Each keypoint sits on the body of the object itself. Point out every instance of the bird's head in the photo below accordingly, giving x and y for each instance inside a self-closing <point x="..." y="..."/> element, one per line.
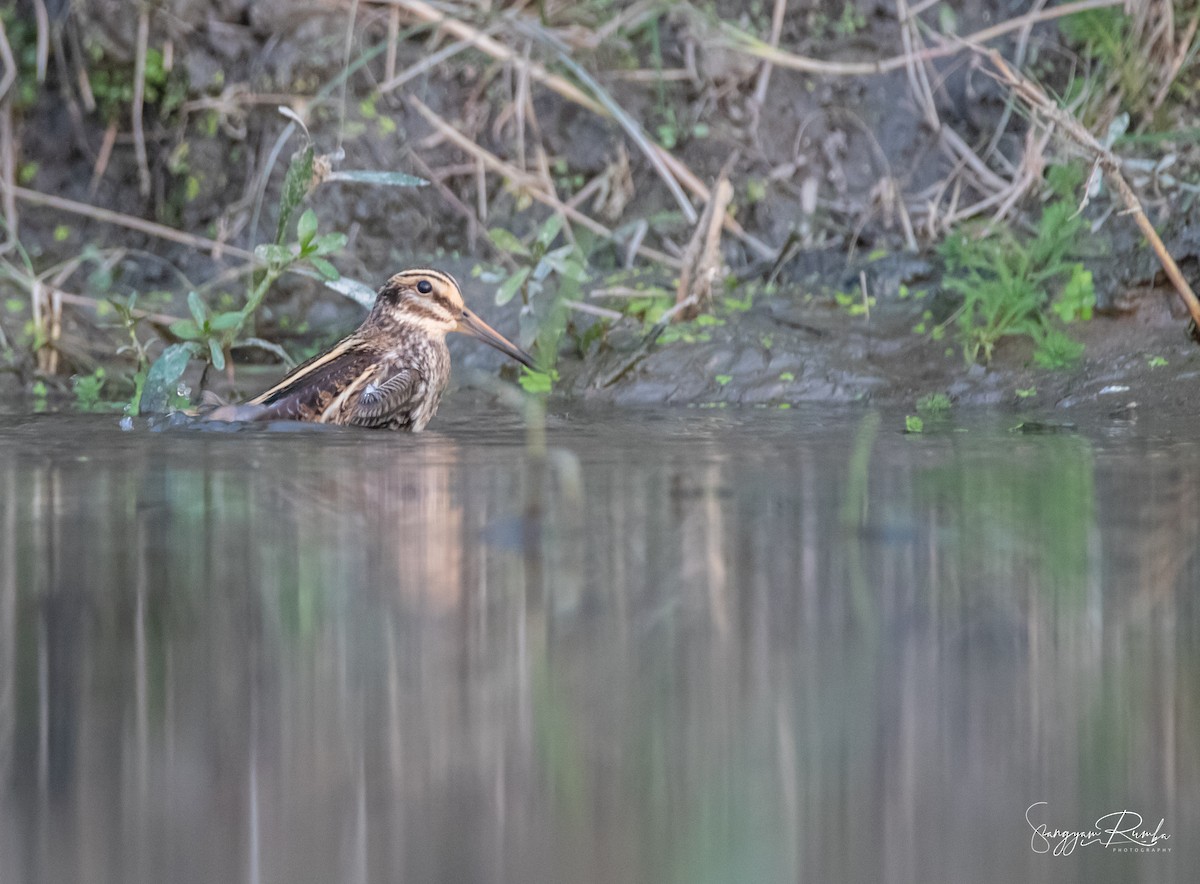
<point x="432" y="301"/>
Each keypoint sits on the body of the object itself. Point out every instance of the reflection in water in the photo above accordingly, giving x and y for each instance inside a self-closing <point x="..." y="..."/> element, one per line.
<point x="713" y="655"/>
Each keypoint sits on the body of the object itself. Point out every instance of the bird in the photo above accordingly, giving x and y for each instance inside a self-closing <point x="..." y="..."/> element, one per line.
<point x="389" y="373"/>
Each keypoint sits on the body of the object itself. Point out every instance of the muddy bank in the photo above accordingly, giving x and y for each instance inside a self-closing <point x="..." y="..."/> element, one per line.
<point x="823" y="168"/>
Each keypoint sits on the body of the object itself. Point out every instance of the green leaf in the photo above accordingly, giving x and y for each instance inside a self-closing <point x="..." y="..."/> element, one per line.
<point x="323" y="267"/>
<point x="913" y="424"/>
<point x="511" y="285"/>
<point x="537" y="382"/>
<point x="330" y="242"/>
<point x="273" y="254"/>
<point x="295" y="187"/>
<point x="196" y="306"/>
<point x="386" y="179"/>
<point x="306" y="229"/>
<point x="163" y="378"/>
<point x="505" y="241"/>
<point x="549" y="230"/>
<point x="226" y="321"/>
<point x="1078" y="297"/>
<point x="217" y="353"/>
<point x="358" y="292"/>
<point x="187" y="330"/>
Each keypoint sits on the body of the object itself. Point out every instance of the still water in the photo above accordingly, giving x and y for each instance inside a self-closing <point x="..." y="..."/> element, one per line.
<point x="680" y="646"/>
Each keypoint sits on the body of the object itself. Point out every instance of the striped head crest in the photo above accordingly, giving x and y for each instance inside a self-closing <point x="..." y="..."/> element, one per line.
<point x="423" y="297"/>
<point x="432" y="301"/>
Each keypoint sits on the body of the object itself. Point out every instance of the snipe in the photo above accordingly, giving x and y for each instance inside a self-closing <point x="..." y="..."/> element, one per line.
<point x="391" y="372"/>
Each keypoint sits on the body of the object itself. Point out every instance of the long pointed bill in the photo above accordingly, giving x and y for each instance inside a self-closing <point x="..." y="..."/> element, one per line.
<point x="472" y="325"/>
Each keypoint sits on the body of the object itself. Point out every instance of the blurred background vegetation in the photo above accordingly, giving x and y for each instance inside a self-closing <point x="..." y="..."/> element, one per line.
<point x="190" y="185"/>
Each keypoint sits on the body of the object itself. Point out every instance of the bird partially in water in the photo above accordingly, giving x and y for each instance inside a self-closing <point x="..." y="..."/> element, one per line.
<point x="391" y="372"/>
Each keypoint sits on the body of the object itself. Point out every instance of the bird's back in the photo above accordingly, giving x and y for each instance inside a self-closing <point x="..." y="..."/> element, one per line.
<point x="358" y="382"/>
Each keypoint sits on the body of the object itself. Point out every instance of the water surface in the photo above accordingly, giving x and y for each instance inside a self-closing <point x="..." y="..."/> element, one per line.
<point x="680" y="646"/>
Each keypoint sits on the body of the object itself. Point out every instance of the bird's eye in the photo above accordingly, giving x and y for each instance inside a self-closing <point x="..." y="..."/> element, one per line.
<point x="424" y="286"/>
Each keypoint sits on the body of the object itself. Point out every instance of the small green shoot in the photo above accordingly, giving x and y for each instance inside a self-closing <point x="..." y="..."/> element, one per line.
<point x="538" y="383"/>
<point x="854" y="303"/>
<point x="913" y="424"/>
<point x="934" y="404"/>
<point x="87" y="388"/>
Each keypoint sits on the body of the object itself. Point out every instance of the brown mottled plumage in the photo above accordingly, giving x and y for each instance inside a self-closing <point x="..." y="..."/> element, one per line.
<point x="391" y="372"/>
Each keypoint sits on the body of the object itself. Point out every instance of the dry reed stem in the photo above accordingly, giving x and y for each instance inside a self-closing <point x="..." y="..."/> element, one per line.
<point x="103" y="156"/>
<point x="8" y="161"/>
<point x="1040" y="103"/>
<point x="669" y="167"/>
<point x="918" y="76"/>
<point x="702" y="258"/>
<point x="764" y="73"/>
<point x="654" y="152"/>
<point x="8" y="167"/>
<point x="658" y="156"/>
<point x="393" y="42"/>
<point x="347" y="47"/>
<point x="473" y="222"/>
<point x="139" y="96"/>
<point x="740" y="41"/>
<point x="477" y="38"/>
<point x="602" y="312"/>
<point x="530" y="183"/>
<point x="9" y="62"/>
<point x="120" y="219"/>
<point x="429" y="61"/>
<point x="42" y="51"/>
<point x="1177" y="61"/>
<point x="164" y="319"/>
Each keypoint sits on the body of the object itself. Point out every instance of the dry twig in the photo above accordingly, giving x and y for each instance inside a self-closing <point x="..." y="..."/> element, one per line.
<point x="530" y="183"/>
<point x="7" y="142"/>
<point x="702" y="257"/>
<point x="150" y="228"/>
<point x="742" y="42"/>
<point x="139" y="96"/>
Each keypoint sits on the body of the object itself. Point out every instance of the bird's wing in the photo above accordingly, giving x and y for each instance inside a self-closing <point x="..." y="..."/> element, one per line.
<point x="380" y="401"/>
<point x="308" y="391"/>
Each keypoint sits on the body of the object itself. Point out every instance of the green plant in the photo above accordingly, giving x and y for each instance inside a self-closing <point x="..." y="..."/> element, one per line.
<point x="855" y="303"/>
<point x="546" y="278"/>
<point x="87" y="389"/>
<point x="913" y="424"/>
<point x="112" y="83"/>
<point x="129" y="318"/>
<point x="851" y="21"/>
<point x="40" y="394"/>
<point x="934" y="404"/>
<point x="1106" y="38"/>
<point x="211" y="335"/>
<point x="1013" y="286"/>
